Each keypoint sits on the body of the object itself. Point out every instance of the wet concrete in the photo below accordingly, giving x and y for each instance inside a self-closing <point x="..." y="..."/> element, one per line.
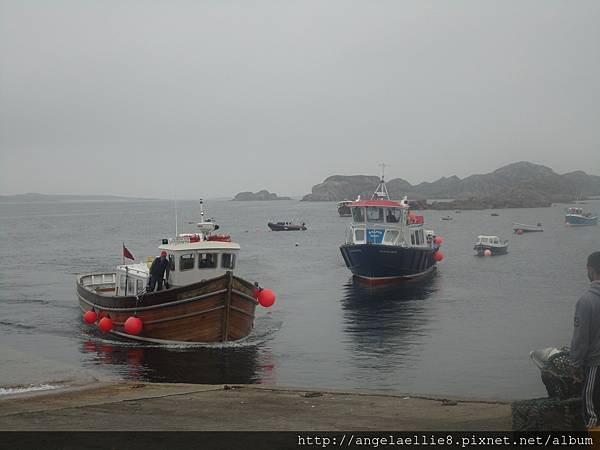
<point x="146" y="406"/>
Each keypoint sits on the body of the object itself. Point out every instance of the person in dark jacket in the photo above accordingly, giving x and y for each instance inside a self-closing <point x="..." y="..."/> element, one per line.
<point x="585" y="345"/>
<point x="158" y="269"/>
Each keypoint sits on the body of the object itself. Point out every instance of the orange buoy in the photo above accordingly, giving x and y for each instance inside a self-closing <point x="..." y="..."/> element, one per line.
<point x="133" y="325"/>
<point x="105" y="324"/>
<point x="90" y="316"/>
<point x="438" y="256"/>
<point x="487" y="252"/>
<point x="266" y="297"/>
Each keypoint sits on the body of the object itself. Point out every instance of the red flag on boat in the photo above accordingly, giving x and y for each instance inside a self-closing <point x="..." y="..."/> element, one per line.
<point x="127" y="253"/>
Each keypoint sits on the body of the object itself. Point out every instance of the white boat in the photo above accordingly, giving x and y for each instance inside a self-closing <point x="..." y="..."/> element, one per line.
<point x="490" y="245"/>
<point x="524" y="228"/>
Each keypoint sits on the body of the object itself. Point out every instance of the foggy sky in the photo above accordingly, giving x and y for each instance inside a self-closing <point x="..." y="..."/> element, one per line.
<point x="208" y="98"/>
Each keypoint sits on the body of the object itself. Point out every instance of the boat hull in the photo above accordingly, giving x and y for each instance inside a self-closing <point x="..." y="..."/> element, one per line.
<point x="577" y="220"/>
<point x="526" y="228"/>
<point x="283" y="227"/>
<point x="384" y="264"/>
<point x="216" y="310"/>
<point x="496" y="250"/>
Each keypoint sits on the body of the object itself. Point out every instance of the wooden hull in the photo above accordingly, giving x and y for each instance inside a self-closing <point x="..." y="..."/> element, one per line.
<point x="216" y="310"/>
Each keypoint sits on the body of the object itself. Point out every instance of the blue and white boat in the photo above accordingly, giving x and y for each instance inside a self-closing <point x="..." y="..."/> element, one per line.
<point x="577" y="217"/>
<point x="387" y="243"/>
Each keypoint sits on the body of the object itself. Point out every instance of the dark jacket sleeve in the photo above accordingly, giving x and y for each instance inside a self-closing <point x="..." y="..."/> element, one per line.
<point x="580" y="342"/>
<point x="153" y="266"/>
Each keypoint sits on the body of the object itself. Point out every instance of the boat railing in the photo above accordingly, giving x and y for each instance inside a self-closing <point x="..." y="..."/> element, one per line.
<point x="99" y="279"/>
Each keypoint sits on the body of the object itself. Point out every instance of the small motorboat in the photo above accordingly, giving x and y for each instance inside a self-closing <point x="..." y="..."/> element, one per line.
<point x="579" y="217"/>
<point x="490" y="245"/>
<point x="524" y="228"/>
<point x="494" y="214"/>
<point x="447" y="218"/>
<point x="287" y="226"/>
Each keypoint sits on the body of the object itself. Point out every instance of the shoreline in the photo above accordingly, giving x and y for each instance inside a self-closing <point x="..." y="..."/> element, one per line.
<point x="140" y="406"/>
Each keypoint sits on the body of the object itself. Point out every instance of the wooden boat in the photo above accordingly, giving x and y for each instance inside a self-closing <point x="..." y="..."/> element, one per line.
<point x="493" y="244"/>
<point x="386" y="242"/>
<point x="447" y="218"/>
<point x="524" y="228"/>
<point x="287" y="226"/>
<point x="216" y="310"/>
<point x="343" y="208"/>
<point x="204" y="301"/>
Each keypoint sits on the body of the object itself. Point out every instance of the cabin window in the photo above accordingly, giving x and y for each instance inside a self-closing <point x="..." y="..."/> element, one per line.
<point x="171" y="262"/>
<point x="186" y="262"/>
<point x="392" y="215"/>
<point x="412" y="238"/>
<point x="228" y="261"/>
<point x="139" y="285"/>
<point x="359" y="235"/>
<point x="374" y="214"/>
<point x="207" y="260"/>
<point x="123" y="284"/>
<point x="358" y="214"/>
<point x="390" y="236"/>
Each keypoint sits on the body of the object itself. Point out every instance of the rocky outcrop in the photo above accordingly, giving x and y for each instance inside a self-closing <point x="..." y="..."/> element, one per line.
<point x="519" y="185"/>
<point x="260" y="195"/>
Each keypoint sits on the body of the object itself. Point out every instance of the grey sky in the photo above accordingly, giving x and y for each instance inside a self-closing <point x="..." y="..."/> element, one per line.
<point x="208" y="98"/>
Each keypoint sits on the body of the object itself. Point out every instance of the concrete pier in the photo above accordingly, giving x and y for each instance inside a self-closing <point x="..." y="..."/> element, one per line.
<point x="172" y="407"/>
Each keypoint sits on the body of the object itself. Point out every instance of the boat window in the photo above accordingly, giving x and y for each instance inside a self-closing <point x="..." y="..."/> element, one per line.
<point x="139" y="285"/>
<point x="171" y="262"/>
<point x="412" y="238"/>
<point x="422" y="238"/>
<point x="130" y="287"/>
<point x="374" y="214"/>
<point x="393" y="215"/>
<point x="390" y="236"/>
<point x="186" y="262"/>
<point x="418" y="237"/>
<point x="228" y="261"/>
<point x="359" y="235"/>
<point x="207" y="260"/>
<point x="122" y="284"/>
<point x="358" y="214"/>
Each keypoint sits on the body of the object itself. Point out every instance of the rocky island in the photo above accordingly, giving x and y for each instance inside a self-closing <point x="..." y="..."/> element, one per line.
<point x="260" y="195"/>
<point x="519" y="185"/>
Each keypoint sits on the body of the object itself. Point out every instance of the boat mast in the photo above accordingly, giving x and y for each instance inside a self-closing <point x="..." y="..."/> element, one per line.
<point x="381" y="193"/>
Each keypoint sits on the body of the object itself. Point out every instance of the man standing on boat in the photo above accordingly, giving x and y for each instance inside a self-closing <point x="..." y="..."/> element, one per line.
<point x="159" y="267"/>
<point x="585" y="345"/>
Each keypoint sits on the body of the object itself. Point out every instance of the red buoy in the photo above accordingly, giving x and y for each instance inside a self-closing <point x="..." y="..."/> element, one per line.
<point x="105" y="324"/>
<point x="438" y="240"/>
<point x="266" y="297"/>
<point x="519" y="231"/>
<point x="90" y="316"/>
<point x="438" y="256"/>
<point x="487" y="252"/>
<point x="133" y="325"/>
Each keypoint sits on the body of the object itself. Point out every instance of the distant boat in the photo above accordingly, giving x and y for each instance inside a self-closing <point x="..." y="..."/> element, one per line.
<point x="527" y="228"/>
<point x="286" y="226"/>
<point x="446" y="218"/>
<point x="457" y="211"/>
<point x="494" y="214"/>
<point x="343" y="208"/>
<point x="578" y="217"/>
<point x="494" y="244"/>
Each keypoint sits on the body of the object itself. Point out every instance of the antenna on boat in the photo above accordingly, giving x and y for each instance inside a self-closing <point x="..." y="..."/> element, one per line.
<point x="381" y="193"/>
<point x="175" y="213"/>
<point x="201" y="210"/>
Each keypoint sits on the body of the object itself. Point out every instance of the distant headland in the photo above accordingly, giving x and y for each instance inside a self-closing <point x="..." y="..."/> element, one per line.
<point x="36" y="197"/>
<point x="518" y="185"/>
<point x="260" y="195"/>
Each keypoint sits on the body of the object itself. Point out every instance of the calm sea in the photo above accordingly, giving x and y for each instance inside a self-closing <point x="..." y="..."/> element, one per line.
<point x="467" y="332"/>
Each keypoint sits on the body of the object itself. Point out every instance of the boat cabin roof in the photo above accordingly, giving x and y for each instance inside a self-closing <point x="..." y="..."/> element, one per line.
<point x="487" y="237"/>
<point x="202" y="245"/>
<point x="381" y="203"/>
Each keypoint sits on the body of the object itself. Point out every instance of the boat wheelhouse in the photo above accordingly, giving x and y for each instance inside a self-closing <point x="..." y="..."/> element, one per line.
<point x="578" y="217"/>
<point x="386" y="242"/>
<point x="203" y="302"/>
<point x="343" y="208"/>
<point x="490" y="245"/>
